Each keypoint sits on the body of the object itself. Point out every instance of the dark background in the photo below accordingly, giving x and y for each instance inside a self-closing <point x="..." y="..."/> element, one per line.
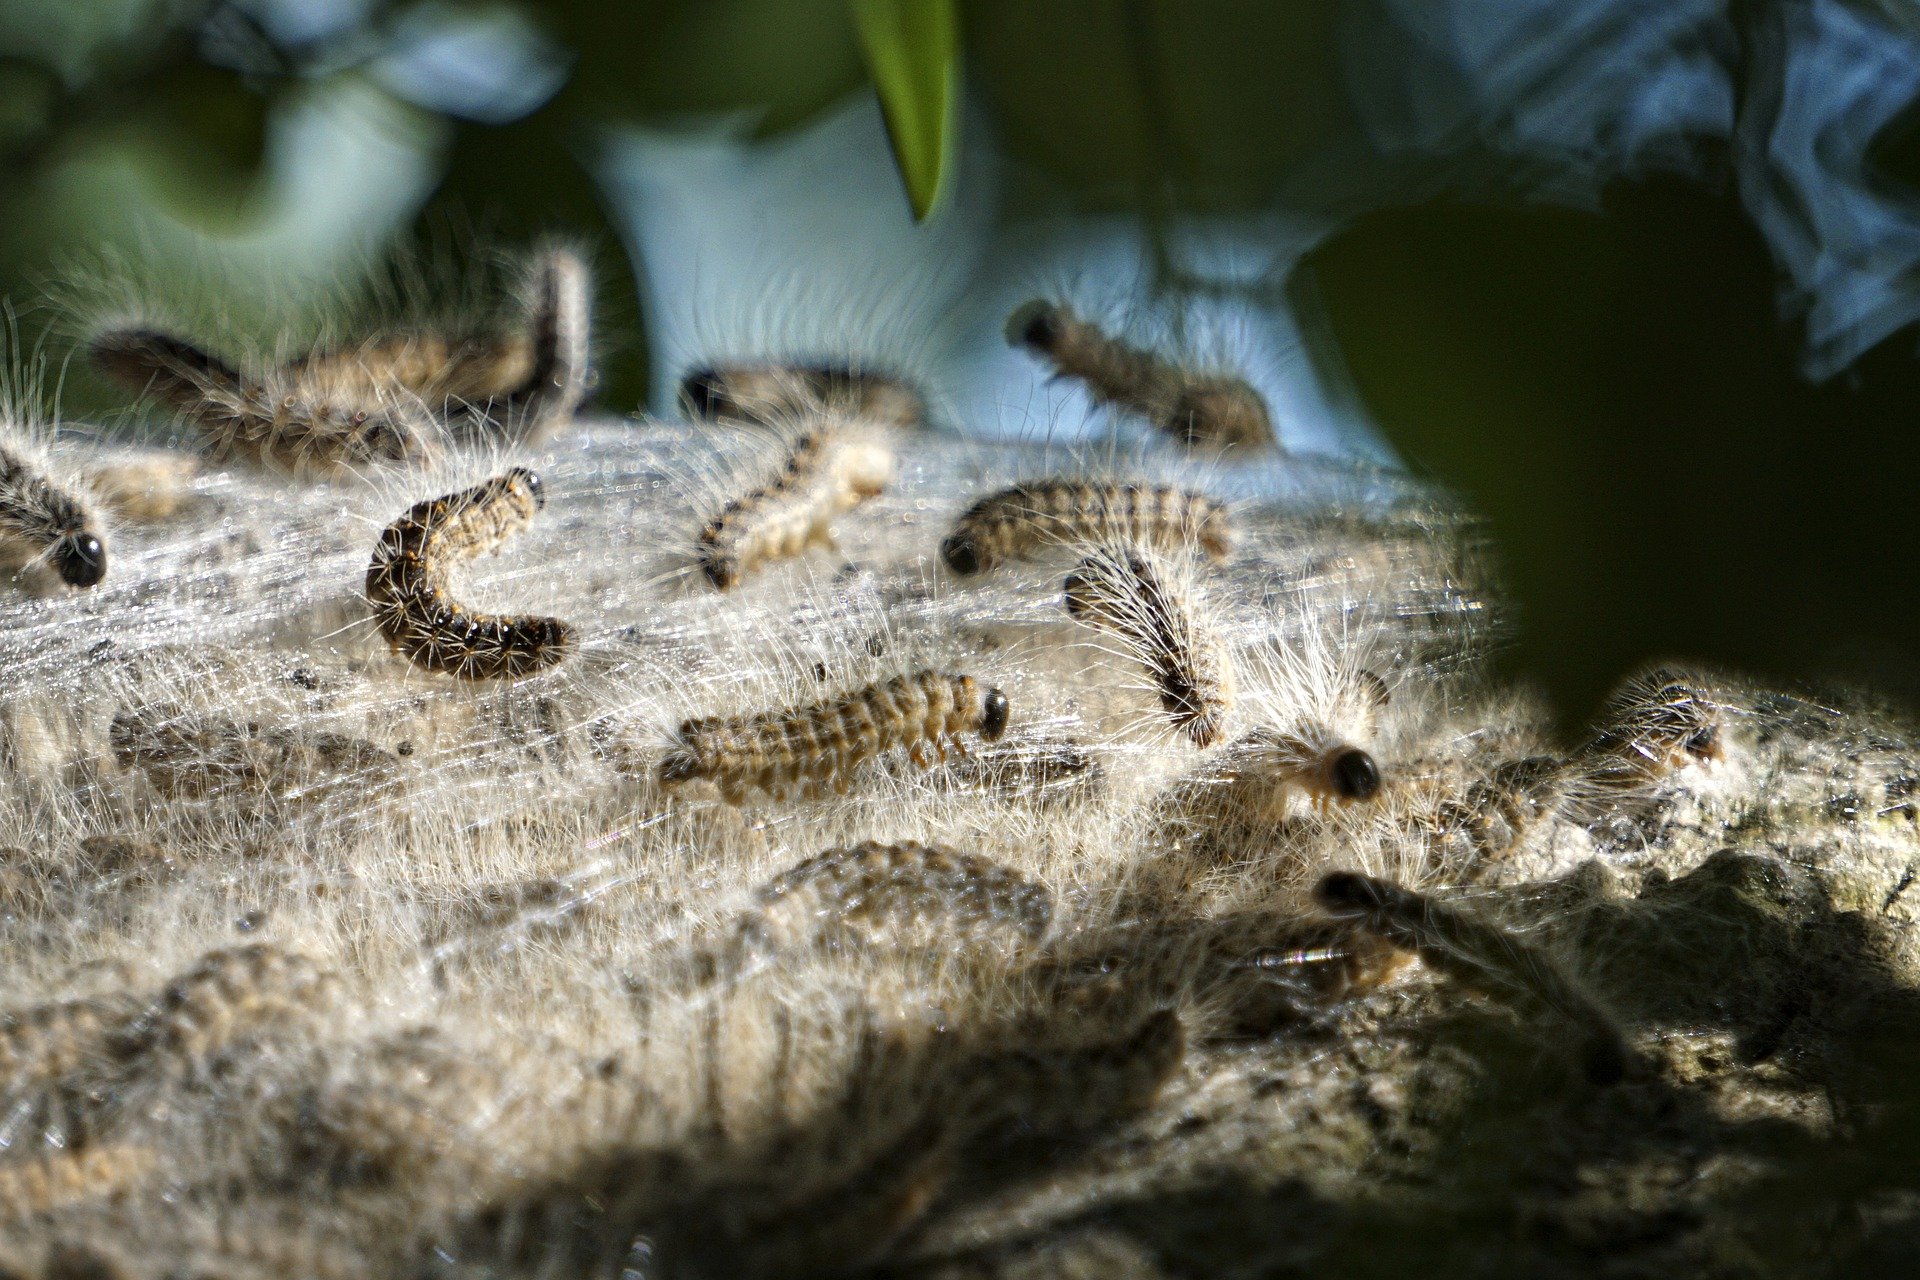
<point x="1597" y="344"/>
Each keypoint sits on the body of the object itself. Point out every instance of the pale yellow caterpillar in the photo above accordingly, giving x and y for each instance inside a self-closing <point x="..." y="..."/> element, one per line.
<point x="40" y="1186"/>
<point x="1026" y="518"/>
<point x="1481" y="954"/>
<point x="409" y="584"/>
<point x="774" y="393"/>
<point x="1126" y="592"/>
<point x="822" y="743"/>
<point x="827" y="472"/>
<point x="226" y="997"/>
<point x="1195" y="408"/>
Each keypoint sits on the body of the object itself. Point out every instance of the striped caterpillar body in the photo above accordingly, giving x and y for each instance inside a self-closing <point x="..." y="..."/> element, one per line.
<point x="382" y="401"/>
<point x="822" y="743"/>
<point x="45" y="523"/>
<point x="1020" y="521"/>
<point x="1125" y="592"/>
<point x="408" y="584"/>
<point x="828" y="472"/>
<point x="33" y="1188"/>
<point x="280" y="419"/>
<point x="1481" y="954"/>
<point x="882" y="891"/>
<point x="1216" y="410"/>
<point x="776" y="393"/>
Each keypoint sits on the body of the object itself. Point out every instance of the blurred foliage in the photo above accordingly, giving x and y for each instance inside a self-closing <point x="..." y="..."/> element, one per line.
<point x="1613" y="386"/>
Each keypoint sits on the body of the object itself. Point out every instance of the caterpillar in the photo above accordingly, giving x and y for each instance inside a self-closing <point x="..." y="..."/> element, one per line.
<point x="143" y="484"/>
<point x="827" y="472"/>
<point x="1017" y="522"/>
<point x="769" y="394"/>
<point x="1126" y="592"/>
<point x="226" y="996"/>
<point x="193" y="757"/>
<point x="1481" y="954"/>
<point x="40" y="1186"/>
<point x="881" y="891"/>
<point x="823" y="742"/>
<point x="408" y="584"/>
<point x="1215" y="410"/>
<point x="43" y="522"/>
<point x="527" y="383"/>
<point x="384" y="401"/>
<point x="1658" y="723"/>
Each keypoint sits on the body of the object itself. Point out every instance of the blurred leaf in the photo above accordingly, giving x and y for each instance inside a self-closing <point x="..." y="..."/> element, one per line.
<point x="912" y="50"/>
<point x="202" y="133"/>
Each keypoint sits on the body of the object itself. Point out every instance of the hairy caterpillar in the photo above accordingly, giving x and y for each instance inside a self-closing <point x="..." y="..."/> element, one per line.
<point x="881" y="891"/>
<point x="527" y="383"/>
<point x="1195" y="408"/>
<point x="43" y="522"/>
<point x="1658" y="723"/>
<point x="382" y="401"/>
<point x="49" y="1057"/>
<point x="827" y="472"/>
<point x="823" y="742"/>
<point x="192" y="757"/>
<point x="1481" y="954"/>
<point x="227" y="996"/>
<point x="408" y="584"/>
<point x="1125" y="592"/>
<point x="1019" y="521"/>
<point x="776" y="393"/>
<point x="143" y="484"/>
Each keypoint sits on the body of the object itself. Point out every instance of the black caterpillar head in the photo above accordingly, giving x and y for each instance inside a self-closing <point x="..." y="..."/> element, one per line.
<point x="81" y="559"/>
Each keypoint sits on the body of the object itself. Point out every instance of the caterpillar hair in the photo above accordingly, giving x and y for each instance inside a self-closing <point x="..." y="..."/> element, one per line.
<point x="1124" y="591"/>
<point x="1481" y="954"/>
<point x="828" y="471"/>
<point x="408" y="584"/>
<point x="1214" y="410"/>
<point x="1017" y="522"/>
<point x="922" y="714"/>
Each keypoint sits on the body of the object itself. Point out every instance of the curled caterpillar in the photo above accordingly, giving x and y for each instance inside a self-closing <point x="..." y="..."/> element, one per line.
<point x="383" y="401"/>
<point x="775" y="393"/>
<point x="1019" y="521"/>
<point x="921" y="713"/>
<point x="408" y="584"/>
<point x="828" y="471"/>
<point x="880" y="892"/>
<point x="46" y="523"/>
<point x="1481" y="954"/>
<point x="1195" y="408"/>
<point x="1125" y="592"/>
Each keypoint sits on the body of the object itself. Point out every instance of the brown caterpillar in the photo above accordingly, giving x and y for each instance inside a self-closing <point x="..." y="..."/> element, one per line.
<point x="770" y="394"/>
<point x="1217" y="410"/>
<point x="827" y="472"/>
<point x="143" y="484"/>
<point x="1481" y="954"/>
<point x="1658" y="723"/>
<point x="50" y="1058"/>
<point x="33" y="1188"/>
<point x="46" y="523"/>
<point x="381" y="401"/>
<point x="1125" y="592"/>
<point x="193" y="757"/>
<point x="408" y="584"/>
<point x="226" y="997"/>
<point x="1019" y="521"/>
<point x="880" y="892"/>
<point x="823" y="742"/>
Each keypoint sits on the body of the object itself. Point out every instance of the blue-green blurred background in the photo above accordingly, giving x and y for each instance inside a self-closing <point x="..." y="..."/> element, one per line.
<point x="1639" y="278"/>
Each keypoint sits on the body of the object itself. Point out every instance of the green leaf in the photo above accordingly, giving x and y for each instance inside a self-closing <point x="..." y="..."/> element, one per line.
<point x="912" y="50"/>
